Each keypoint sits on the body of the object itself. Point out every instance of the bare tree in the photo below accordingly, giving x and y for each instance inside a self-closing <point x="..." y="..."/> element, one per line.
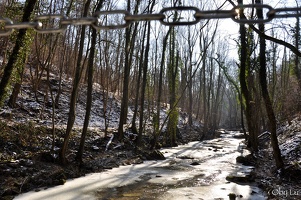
<point x="126" y="77"/>
<point x="74" y="93"/>
<point x="160" y="85"/>
<point x="20" y="42"/>
<point x="89" y="90"/>
<point x="265" y="94"/>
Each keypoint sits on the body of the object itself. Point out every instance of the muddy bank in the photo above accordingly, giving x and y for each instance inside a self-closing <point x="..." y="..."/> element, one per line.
<point x="286" y="183"/>
<point x="26" y="162"/>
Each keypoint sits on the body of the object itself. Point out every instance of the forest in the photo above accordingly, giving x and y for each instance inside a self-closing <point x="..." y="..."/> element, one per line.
<point x="80" y="78"/>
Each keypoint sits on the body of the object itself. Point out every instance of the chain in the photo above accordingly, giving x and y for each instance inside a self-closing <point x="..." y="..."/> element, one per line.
<point x="59" y="23"/>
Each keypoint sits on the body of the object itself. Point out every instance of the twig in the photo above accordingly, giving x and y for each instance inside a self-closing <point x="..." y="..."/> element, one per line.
<point x="23" y="184"/>
<point x="110" y="141"/>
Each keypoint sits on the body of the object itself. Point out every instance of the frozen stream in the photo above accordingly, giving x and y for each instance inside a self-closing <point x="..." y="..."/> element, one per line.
<point x="193" y="171"/>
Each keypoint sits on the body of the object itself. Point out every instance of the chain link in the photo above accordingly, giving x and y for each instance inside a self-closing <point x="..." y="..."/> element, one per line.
<point x="284" y="12"/>
<point x="39" y="20"/>
<point x="176" y="22"/>
<point x="98" y="26"/>
<point x="251" y="20"/>
<point x="6" y="23"/>
<point x="58" y="23"/>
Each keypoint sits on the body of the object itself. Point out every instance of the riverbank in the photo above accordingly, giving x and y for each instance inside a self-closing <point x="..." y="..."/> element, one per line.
<point x="27" y="165"/>
<point x="285" y="184"/>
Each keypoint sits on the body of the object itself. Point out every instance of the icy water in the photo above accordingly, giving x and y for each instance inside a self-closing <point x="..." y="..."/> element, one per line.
<point x="197" y="170"/>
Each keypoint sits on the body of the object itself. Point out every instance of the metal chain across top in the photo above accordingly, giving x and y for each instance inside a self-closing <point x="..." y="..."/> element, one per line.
<point x="38" y="24"/>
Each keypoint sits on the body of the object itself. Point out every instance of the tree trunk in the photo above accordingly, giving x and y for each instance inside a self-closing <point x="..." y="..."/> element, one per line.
<point x="158" y="106"/>
<point x="134" y="128"/>
<point x="297" y="38"/>
<point x="126" y="80"/>
<point x="17" y="88"/>
<point x="203" y="79"/>
<point x="244" y="88"/>
<point x="89" y="91"/>
<point x="74" y="93"/>
<point x="144" y="78"/>
<point x="89" y="97"/>
<point x="172" y="81"/>
<point x="266" y="97"/>
<point x="20" y="42"/>
<point x="144" y="81"/>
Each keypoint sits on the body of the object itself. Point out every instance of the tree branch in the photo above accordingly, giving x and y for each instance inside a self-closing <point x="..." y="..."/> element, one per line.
<point x="267" y="37"/>
<point x="286" y="44"/>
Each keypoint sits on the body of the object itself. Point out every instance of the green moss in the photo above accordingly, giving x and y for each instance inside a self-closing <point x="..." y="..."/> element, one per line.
<point x="172" y="125"/>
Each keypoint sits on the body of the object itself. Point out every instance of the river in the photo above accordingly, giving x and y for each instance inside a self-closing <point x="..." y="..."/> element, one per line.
<point x="197" y="170"/>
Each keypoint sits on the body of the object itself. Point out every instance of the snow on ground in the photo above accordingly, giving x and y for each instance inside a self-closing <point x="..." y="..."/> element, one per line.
<point x="290" y="140"/>
<point x="35" y="107"/>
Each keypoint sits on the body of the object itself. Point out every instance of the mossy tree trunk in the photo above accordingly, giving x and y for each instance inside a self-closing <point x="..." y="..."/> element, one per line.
<point x="13" y="59"/>
<point x="172" y="73"/>
<point x="244" y="72"/>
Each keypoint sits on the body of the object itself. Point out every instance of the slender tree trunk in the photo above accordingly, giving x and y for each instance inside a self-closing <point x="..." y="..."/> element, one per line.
<point x="190" y="97"/>
<point x="126" y="80"/>
<point x="89" y="91"/>
<point x="134" y="128"/>
<point x="74" y="93"/>
<point x="297" y="38"/>
<point x="144" y="79"/>
<point x="190" y="80"/>
<point x="20" y="42"/>
<point x="173" y="118"/>
<point x="205" y="117"/>
<point x="266" y="97"/>
<point x="129" y="51"/>
<point x="209" y="97"/>
<point x="158" y="106"/>
<point x="62" y="62"/>
<point x="216" y="102"/>
<point x="89" y="96"/>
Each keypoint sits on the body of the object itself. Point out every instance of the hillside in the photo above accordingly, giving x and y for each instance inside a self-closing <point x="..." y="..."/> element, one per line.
<point x="284" y="184"/>
<point x="26" y="138"/>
